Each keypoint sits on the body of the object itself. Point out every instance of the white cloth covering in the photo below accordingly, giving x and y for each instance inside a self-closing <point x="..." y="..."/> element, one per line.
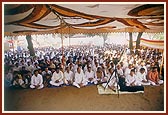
<point x="140" y="78"/>
<point x="90" y="75"/>
<point x="57" y="77"/>
<point x="68" y="76"/>
<point x="37" y="80"/>
<point x="79" y="79"/>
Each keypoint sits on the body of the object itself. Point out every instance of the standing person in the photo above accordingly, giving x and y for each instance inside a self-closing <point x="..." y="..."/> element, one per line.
<point x="79" y="80"/>
<point x="36" y="81"/>
<point x="57" y="78"/>
<point x="153" y="77"/>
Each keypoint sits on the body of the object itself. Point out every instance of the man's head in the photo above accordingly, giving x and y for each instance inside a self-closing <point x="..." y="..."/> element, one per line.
<point x="70" y="64"/>
<point x="57" y="69"/>
<point x="78" y="69"/>
<point x="132" y="72"/>
<point x="130" y="66"/>
<point x="99" y="69"/>
<point x="17" y="64"/>
<point x="67" y="68"/>
<point x="118" y="66"/>
<point x="36" y="72"/>
<point x="22" y="62"/>
<point x="142" y="63"/>
<point x="142" y="70"/>
<point x="111" y="70"/>
<point x="40" y="70"/>
<point x="96" y="63"/>
<point x="154" y="69"/>
<point x="46" y="69"/>
<point x="23" y="68"/>
<point x="89" y="68"/>
<point x="28" y="63"/>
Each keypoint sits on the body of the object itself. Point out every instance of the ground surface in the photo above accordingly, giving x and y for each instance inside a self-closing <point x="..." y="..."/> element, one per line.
<point x="84" y="99"/>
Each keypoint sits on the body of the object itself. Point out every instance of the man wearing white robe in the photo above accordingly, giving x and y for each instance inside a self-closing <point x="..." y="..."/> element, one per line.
<point x="141" y="77"/>
<point x="57" y="78"/>
<point x="36" y="81"/>
<point x="142" y="65"/>
<point x="69" y="75"/>
<point x="131" y="79"/>
<point x="90" y="76"/>
<point x="80" y="79"/>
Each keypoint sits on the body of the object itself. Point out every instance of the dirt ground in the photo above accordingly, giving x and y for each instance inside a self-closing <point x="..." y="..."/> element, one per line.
<point x="84" y="99"/>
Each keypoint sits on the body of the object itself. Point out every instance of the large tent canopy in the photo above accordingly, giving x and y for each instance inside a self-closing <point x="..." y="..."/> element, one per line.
<point x="28" y="19"/>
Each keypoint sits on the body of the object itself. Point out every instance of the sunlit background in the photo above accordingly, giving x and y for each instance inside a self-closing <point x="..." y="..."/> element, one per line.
<point x="54" y="40"/>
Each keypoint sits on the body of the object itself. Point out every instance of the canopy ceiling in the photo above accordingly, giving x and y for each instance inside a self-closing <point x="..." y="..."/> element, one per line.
<point x="22" y="19"/>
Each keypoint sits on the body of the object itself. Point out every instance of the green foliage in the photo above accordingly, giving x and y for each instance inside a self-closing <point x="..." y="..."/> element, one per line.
<point x="156" y="36"/>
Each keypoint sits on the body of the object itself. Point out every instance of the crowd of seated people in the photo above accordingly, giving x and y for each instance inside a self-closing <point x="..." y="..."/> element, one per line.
<point x="82" y="65"/>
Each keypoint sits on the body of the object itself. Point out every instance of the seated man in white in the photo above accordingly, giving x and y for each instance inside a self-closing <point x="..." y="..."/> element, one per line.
<point x="141" y="77"/>
<point x="36" y="81"/>
<point x="79" y="80"/>
<point x="57" y="78"/>
<point x="90" y="75"/>
<point x="142" y="65"/>
<point x="68" y="76"/>
<point x="131" y="79"/>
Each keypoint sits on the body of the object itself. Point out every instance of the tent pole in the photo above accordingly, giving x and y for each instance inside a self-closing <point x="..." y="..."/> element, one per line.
<point x="13" y="45"/>
<point x="69" y="41"/>
<point x="162" y="63"/>
<point x="62" y="43"/>
<point x="61" y="22"/>
<point x="69" y="36"/>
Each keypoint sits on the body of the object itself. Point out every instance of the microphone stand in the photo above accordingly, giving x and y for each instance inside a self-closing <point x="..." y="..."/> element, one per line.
<point x="115" y="61"/>
<point x="117" y="80"/>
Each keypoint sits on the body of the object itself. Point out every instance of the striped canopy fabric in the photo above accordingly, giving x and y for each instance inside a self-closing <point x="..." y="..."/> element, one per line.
<point x="156" y="44"/>
<point x="23" y="19"/>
